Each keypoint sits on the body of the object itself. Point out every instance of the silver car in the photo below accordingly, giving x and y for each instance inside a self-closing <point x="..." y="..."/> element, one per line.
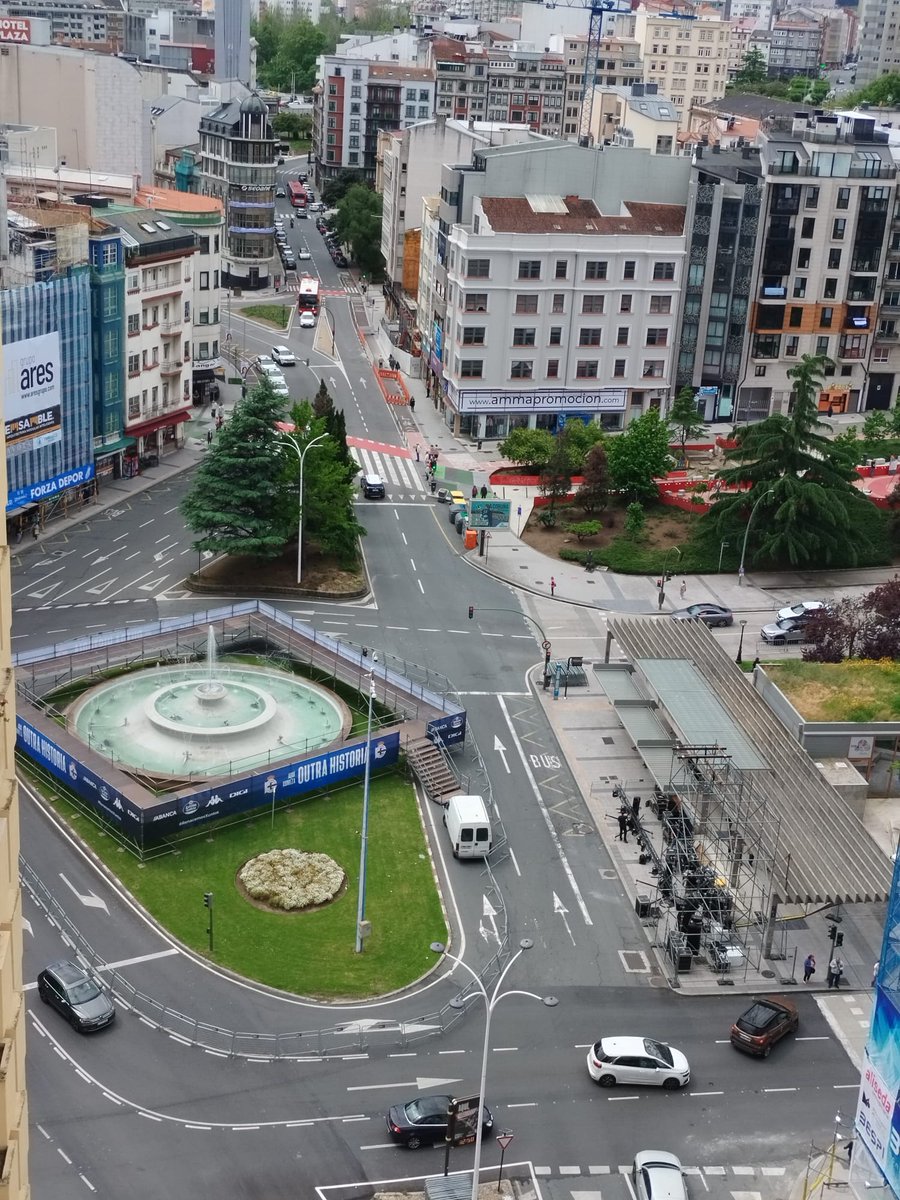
<point x="658" y="1175"/>
<point x="783" y="633"/>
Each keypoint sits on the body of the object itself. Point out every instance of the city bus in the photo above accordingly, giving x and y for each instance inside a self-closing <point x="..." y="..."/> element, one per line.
<point x="308" y="298"/>
<point x="296" y="193"/>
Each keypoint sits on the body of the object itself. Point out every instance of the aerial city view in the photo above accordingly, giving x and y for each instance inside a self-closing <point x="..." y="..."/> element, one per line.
<point x="450" y="593"/>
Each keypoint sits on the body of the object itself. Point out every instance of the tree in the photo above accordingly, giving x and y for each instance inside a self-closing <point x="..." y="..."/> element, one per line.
<point x="635" y="520"/>
<point x="530" y="448"/>
<point x="287" y="51"/>
<point x="237" y="500"/>
<point x="584" y="529"/>
<point x="336" y="425"/>
<point x="329" y="515"/>
<point x="753" y="69"/>
<point x="640" y="455"/>
<point x="322" y="402"/>
<point x="556" y="479"/>
<point x="684" y="418"/>
<point x="337" y="187"/>
<point x="594" y="491"/>
<point x="883" y="92"/>
<point x="876" y="426"/>
<point x="358" y="225"/>
<point x="857" y="627"/>
<point x="796" y="481"/>
<point x="580" y="438"/>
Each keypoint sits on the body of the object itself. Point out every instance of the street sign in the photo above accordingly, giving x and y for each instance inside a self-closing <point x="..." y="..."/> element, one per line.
<point x="465" y="1127"/>
<point x="489" y="514"/>
<point x="545" y="645"/>
<point x="503" y="1140"/>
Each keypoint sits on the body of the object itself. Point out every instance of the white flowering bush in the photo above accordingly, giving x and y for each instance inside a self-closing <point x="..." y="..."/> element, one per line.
<point x="291" y="879"/>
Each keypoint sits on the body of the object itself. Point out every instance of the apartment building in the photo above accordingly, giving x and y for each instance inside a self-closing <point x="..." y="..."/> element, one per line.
<point x="879" y="40"/>
<point x="618" y="65"/>
<point x="825" y="223"/>
<point x="556" y="289"/>
<point x="685" y="55"/>
<point x="742" y="31"/>
<point x="635" y="116"/>
<point x="237" y="167"/>
<point x="79" y="23"/>
<point x="795" y="46"/>
<point x="354" y="101"/>
<point x="758" y="11"/>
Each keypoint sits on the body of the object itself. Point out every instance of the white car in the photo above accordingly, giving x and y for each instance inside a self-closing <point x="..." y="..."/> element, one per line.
<point x="804" y="609"/>
<point x="307" y="320"/>
<point x="637" y="1060"/>
<point x="658" y="1175"/>
<point x="265" y="366"/>
<point x="304" y="256"/>
<point x="283" y="356"/>
<point x="279" y="386"/>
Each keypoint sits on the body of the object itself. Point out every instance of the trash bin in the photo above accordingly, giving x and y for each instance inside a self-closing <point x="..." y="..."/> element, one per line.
<point x="471" y="539"/>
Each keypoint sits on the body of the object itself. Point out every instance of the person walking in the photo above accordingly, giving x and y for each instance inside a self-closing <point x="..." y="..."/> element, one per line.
<point x="683" y="589"/>
<point x="835" y="971"/>
<point x="875" y="973"/>
<point x="418" y="455"/>
<point x="809" y="967"/>
<point x="209" y="437"/>
<point x="622" y="835"/>
<point x="35" y="530"/>
<point x="474" y="491"/>
<point x="552" y="586"/>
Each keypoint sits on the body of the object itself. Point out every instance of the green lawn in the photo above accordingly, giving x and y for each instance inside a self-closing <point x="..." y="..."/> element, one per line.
<point x="312" y="954"/>
<point x="277" y="315"/>
<point x="855" y="690"/>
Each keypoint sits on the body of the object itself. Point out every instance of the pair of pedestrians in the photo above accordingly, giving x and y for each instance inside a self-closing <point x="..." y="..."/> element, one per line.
<point x="835" y="970"/>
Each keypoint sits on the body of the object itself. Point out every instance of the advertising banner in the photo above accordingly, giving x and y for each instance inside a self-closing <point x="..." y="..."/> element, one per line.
<point x="15" y="29"/>
<point x="489" y="514"/>
<point x="448" y="730"/>
<point x="32" y="402"/>
<point x="45" y="488"/>
<point x="878" y="1110"/>
<point x="602" y="400"/>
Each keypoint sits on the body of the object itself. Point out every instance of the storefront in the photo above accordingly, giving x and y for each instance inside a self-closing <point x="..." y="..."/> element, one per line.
<point x="159" y="437"/>
<point x="492" y="415"/>
<point x="109" y="460"/>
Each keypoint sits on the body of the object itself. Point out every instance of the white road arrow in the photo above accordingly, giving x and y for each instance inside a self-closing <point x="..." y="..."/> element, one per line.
<point x="559" y="907"/>
<point x="26" y="925"/>
<point x="419" y="1083"/>
<point x="501" y="750"/>
<point x="489" y="914"/>
<point x="89" y="900"/>
<point x="363" y="382"/>
<point x="332" y="382"/>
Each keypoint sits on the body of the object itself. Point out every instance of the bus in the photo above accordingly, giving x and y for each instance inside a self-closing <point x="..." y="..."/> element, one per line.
<point x="296" y="193"/>
<point x="308" y="298"/>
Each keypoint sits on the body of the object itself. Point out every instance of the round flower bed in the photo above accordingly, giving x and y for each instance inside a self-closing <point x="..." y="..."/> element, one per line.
<point x="290" y="880"/>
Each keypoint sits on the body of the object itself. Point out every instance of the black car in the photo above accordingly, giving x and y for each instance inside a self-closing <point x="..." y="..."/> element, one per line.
<point x="340" y="261"/>
<point x="764" y="1023"/>
<point x="423" y="1121"/>
<point x="72" y="990"/>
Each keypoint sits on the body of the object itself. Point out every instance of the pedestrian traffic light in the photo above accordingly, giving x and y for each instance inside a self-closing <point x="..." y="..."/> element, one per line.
<point x="471" y="611"/>
<point x="839" y="940"/>
<point x="833" y="935"/>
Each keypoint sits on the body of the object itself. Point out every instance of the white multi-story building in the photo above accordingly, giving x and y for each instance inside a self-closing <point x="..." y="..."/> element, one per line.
<point x="879" y="40"/>
<point x="618" y="65"/>
<point x="758" y="11"/>
<point x="685" y="55"/>
<point x="562" y="272"/>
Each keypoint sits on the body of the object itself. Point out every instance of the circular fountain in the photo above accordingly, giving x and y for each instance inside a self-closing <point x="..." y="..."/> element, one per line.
<point x="200" y="720"/>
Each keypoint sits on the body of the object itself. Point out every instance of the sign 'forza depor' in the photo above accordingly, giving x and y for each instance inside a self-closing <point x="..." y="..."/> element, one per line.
<point x="601" y="400"/>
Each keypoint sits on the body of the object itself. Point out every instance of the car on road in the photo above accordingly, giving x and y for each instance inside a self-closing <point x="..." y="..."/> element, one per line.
<point x="765" y="1022"/>
<point x="709" y="614"/>
<point x="284" y="356"/>
<point x="279" y="193"/>
<point x="803" y="610"/>
<point x="73" y="991"/>
<point x="423" y="1121"/>
<point x="304" y="256"/>
<point x="290" y="263"/>
<point x="637" y="1060"/>
<point x="302" y="214"/>
<point x="783" y="633"/>
<point x="658" y="1175"/>
<point x="307" y="319"/>
<point x="267" y="365"/>
<point x="279" y="385"/>
<point x="340" y="261"/>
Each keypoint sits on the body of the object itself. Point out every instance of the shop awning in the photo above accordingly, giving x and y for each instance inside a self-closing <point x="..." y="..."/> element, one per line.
<point x="159" y="423"/>
<point x="114" y="447"/>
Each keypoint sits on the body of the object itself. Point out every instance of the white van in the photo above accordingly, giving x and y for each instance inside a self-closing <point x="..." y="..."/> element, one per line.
<point x="469" y="826"/>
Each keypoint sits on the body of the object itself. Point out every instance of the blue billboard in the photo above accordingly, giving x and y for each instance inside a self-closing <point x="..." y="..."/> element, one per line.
<point x="450" y="731"/>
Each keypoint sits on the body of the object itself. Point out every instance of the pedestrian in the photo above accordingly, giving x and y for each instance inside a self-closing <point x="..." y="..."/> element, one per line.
<point x="474" y="491"/>
<point x="635" y="808"/>
<point x="756" y="662"/>
<point x="213" y="412"/>
<point x="412" y="404"/>
<point x="850" y="1146"/>
<point x="35" y="530"/>
<point x="622" y="835"/>
<point x="835" y="971"/>
<point x="683" y="589"/>
<point x="552" y="586"/>
<point x="875" y="972"/>
<point x="418" y="455"/>
<point x="433" y="485"/>
<point x="209" y="437"/>
<point x="484" y="491"/>
<point x="809" y="967"/>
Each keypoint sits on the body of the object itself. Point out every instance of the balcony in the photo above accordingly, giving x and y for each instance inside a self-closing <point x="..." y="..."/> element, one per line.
<point x="850" y="351"/>
<point x="886" y="336"/>
<point x="170" y="328"/>
<point x="168" y="368"/>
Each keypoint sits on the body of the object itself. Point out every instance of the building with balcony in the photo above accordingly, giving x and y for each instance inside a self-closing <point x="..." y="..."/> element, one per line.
<point x="685" y="53"/>
<point x="556" y="286"/>
<point x="822" y="254"/>
<point x="237" y="166"/>
<point x="879" y="40"/>
<point x="618" y="65"/>
<point x="796" y="46"/>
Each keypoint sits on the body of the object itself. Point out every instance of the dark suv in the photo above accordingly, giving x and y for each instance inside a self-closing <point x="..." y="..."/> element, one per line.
<point x="764" y="1023"/>
<point x="73" y="991"/>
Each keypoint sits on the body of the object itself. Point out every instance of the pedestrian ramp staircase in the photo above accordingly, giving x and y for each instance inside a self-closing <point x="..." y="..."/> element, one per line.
<point x="433" y="769"/>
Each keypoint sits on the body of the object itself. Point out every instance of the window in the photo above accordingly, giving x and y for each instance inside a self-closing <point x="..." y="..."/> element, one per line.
<point x="625" y="303"/>
<point x="628" y="269"/>
<point x="657" y="337"/>
<point x="795" y="317"/>
<point x="471" y="368"/>
<point x="799" y="287"/>
<point x="134" y="407"/>
<point x="589" y="337"/>
<point x="838" y="228"/>
<point x="826" y="316"/>
<point x="523" y="337"/>
<point x="553" y="368"/>
<point x="473" y="335"/>
<point x="812" y="197"/>
<point x="134" y="364"/>
<point x="619" y="368"/>
<point x="791" y="347"/>
<point x="834" y="260"/>
<point x="843" y="198"/>
<point x="803" y="259"/>
<point x="555" y="335"/>
<point x="653" y="369"/>
<point x="475" y="302"/>
<point x="660" y="304"/>
<point x="134" y="324"/>
<point x="664" y="270"/>
<point x="562" y="269"/>
<point x="829" y="289"/>
<point x="595" y="270"/>
<point x="526" y="304"/>
<point x="586" y="368"/>
<point x="622" y="335"/>
<point x="478" y="268"/>
<point x="759" y="372"/>
<point x="529" y="268"/>
<point x="808" y="227"/>
<point x="521" y="369"/>
<point x="204" y="281"/>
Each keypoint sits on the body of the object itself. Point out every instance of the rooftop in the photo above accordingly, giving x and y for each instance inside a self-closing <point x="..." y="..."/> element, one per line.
<point x="394" y="71"/>
<point x="170" y="200"/>
<point x="574" y="215"/>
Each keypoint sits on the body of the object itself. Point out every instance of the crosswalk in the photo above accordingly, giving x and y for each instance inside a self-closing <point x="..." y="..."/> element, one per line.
<point x="404" y="478"/>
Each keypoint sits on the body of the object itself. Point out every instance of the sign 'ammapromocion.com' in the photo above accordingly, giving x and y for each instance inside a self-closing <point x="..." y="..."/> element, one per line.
<point x="33" y="395"/>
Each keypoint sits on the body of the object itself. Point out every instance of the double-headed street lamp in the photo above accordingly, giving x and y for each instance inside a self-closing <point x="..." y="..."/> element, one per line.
<point x="756" y="505"/>
<point x="301" y="454"/>
<point x="490" y="1003"/>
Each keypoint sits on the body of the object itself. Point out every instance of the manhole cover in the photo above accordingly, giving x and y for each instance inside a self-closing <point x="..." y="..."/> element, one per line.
<point x="767" y="974"/>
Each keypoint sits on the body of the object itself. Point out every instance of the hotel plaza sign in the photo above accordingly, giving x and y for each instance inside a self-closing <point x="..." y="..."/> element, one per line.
<point x="15" y="29"/>
<point x="601" y="400"/>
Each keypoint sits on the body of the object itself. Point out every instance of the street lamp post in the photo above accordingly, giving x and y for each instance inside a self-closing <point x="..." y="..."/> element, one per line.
<point x="490" y="1003"/>
<point x="364" y="833"/>
<point x="301" y="454"/>
<point x="740" y="653"/>
<point x="747" y="534"/>
<point x="664" y="577"/>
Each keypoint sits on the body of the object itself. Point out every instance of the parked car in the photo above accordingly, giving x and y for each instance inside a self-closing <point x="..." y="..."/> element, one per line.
<point x="709" y="614"/>
<point x="423" y="1121"/>
<point x="267" y="365"/>
<point x="73" y="991"/>
<point x="783" y="633"/>
<point x="290" y="263"/>
<point x="340" y="261"/>
<point x="279" y="385"/>
<point x="803" y="610"/>
<point x="637" y="1060"/>
<point x="307" y="320"/>
<point x="764" y="1023"/>
<point x="284" y="356"/>
<point x="658" y="1175"/>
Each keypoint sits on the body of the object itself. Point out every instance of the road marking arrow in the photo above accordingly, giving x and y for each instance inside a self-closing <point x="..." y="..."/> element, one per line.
<point x="332" y="382"/>
<point x="559" y="907"/>
<point x="419" y="1083"/>
<point x="501" y="750"/>
<point x="89" y="900"/>
<point x="363" y="382"/>
<point x="153" y="583"/>
<point x="26" y="925"/>
<point x="489" y="914"/>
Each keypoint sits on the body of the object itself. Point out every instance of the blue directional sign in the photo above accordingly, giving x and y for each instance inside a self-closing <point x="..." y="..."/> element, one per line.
<point x="489" y="514"/>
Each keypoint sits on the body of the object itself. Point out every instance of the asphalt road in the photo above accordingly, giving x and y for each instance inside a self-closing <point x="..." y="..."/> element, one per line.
<point x="135" y="1108"/>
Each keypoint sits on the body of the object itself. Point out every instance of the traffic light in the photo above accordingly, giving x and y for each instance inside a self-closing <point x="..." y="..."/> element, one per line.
<point x="839" y="940"/>
<point x="208" y="899"/>
<point x="833" y="935"/>
<point x="471" y="611"/>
